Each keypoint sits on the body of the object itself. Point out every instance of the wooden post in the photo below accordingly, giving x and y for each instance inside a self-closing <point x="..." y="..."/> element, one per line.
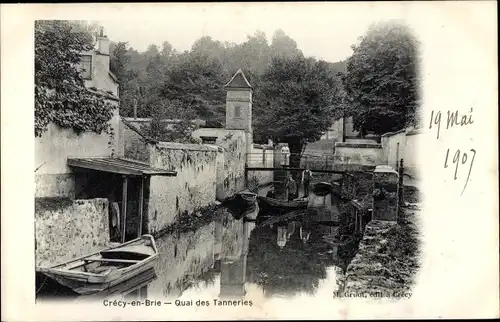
<point x="343" y="129"/>
<point x="401" y="184"/>
<point x="356" y="221"/>
<point x="326" y="162"/>
<point x="124" y="207"/>
<point x="140" y="206"/>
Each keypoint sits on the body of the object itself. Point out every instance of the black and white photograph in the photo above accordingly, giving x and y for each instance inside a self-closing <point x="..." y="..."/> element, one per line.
<point x="208" y="160"/>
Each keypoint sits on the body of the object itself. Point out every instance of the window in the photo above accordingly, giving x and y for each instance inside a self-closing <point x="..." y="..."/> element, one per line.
<point x="86" y="66"/>
<point x="237" y="111"/>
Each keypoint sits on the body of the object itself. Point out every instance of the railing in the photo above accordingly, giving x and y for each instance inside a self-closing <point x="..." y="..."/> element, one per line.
<point x="277" y="159"/>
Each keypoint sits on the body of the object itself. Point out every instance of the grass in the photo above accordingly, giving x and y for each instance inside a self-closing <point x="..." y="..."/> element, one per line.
<point x="389" y="257"/>
<point x="411" y="194"/>
<point x="189" y="222"/>
<point x="401" y="241"/>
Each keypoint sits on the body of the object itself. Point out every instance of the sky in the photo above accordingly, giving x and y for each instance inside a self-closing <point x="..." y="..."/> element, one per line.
<point x="323" y="30"/>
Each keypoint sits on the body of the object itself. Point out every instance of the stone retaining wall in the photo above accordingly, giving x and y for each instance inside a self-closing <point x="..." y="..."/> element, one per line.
<point x="69" y="229"/>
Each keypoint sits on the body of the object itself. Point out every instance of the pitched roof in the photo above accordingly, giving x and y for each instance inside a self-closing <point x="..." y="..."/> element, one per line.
<point x="238" y="81"/>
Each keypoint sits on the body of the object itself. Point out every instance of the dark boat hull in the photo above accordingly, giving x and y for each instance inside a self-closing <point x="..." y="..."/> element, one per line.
<point x="240" y="204"/>
<point x="322" y="189"/>
<point x="271" y="204"/>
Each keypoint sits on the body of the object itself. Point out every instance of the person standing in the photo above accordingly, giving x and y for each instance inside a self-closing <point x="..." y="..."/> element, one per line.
<point x="292" y="188"/>
<point x="285" y="156"/>
<point x="287" y="150"/>
<point x="306" y="179"/>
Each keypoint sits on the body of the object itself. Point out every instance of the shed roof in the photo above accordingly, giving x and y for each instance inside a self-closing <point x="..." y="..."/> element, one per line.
<point x="119" y="166"/>
<point x="238" y="81"/>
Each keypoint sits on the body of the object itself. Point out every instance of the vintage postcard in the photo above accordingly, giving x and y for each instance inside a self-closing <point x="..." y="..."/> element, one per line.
<point x="206" y="161"/>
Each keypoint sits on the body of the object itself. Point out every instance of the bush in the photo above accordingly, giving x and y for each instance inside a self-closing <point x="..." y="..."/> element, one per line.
<point x="161" y="131"/>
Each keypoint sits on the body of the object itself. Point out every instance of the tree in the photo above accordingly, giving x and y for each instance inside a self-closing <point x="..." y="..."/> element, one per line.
<point x="152" y="51"/>
<point x="284" y="46"/>
<point x="158" y="129"/>
<point x="166" y="49"/>
<point x="121" y="66"/>
<point x="295" y="102"/>
<point x="381" y="81"/>
<point x="119" y="60"/>
<point x="197" y="83"/>
<point x="60" y="93"/>
<point x="255" y="53"/>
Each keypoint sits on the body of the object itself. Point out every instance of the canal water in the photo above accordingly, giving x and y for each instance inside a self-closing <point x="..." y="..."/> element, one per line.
<point x="235" y="258"/>
<point x="232" y="258"/>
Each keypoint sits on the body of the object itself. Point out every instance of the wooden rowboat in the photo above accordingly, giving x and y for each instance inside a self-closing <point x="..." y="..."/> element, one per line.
<point x="270" y="204"/>
<point x="101" y="270"/>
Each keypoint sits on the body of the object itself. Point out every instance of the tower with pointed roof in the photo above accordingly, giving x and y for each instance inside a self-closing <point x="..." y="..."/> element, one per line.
<point x="239" y="103"/>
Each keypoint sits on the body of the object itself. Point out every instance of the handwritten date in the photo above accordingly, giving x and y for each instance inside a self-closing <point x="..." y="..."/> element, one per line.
<point x="452" y="120"/>
<point x="459" y="160"/>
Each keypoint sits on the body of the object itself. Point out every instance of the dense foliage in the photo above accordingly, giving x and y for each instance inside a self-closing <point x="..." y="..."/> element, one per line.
<point x="299" y="98"/>
<point x="179" y="132"/>
<point x="381" y="81"/>
<point x="190" y="84"/>
<point x="60" y="93"/>
<point x="196" y="87"/>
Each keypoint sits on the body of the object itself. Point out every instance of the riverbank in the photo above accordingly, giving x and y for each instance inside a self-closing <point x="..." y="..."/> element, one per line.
<point x="387" y="259"/>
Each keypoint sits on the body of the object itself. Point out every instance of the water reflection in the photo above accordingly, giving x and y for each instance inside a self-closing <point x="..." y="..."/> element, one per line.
<point x="234" y="267"/>
<point x="231" y="256"/>
<point x="295" y="267"/>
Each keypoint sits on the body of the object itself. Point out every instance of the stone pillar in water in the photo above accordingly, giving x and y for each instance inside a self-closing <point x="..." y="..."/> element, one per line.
<point x="385" y="193"/>
<point x="233" y="269"/>
<point x="218" y="231"/>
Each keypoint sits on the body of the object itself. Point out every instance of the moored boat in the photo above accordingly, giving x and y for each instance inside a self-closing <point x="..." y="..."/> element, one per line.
<point x="249" y="197"/>
<point x="266" y="204"/>
<point x="240" y="204"/>
<point x="101" y="270"/>
<point x="322" y="188"/>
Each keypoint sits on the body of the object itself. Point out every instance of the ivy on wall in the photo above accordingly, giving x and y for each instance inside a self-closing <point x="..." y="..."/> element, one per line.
<point x="60" y="93"/>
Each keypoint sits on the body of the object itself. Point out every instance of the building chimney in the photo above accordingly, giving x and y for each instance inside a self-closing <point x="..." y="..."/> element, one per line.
<point x="103" y="43"/>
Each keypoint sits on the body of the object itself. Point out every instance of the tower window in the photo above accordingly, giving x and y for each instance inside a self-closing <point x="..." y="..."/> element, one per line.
<point x="237" y="111"/>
